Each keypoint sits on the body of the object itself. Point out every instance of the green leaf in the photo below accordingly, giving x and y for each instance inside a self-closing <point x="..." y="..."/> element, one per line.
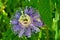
<point x="58" y="9"/>
<point x="45" y="12"/>
<point x="58" y="5"/>
<point x="8" y="35"/>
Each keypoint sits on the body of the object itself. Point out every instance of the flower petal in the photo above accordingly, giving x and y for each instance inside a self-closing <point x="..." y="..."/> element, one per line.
<point x="31" y="10"/>
<point x="28" y="11"/>
<point x="35" y="15"/>
<point x="17" y="15"/>
<point x="28" y="32"/>
<point x="37" y="23"/>
<point x="36" y="20"/>
<point x="14" y="22"/>
<point x="35" y="28"/>
<point x="21" y="32"/>
<point x="16" y="27"/>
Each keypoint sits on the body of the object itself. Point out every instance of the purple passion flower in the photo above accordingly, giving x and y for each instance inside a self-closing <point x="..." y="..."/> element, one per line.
<point x="26" y="21"/>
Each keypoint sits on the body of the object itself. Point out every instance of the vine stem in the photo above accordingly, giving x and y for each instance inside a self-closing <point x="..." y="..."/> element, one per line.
<point x="39" y="35"/>
<point x="55" y="20"/>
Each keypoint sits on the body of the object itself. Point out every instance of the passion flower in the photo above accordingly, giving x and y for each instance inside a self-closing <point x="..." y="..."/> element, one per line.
<point x="26" y="21"/>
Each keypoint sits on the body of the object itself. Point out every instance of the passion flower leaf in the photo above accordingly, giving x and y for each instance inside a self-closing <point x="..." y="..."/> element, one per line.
<point x="58" y="5"/>
<point x="45" y="12"/>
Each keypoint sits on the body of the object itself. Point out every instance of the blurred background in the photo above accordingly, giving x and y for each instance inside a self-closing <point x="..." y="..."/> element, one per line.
<point x="49" y="11"/>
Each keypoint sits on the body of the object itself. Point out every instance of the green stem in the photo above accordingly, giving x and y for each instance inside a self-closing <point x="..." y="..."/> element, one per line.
<point x="56" y="20"/>
<point x="39" y="35"/>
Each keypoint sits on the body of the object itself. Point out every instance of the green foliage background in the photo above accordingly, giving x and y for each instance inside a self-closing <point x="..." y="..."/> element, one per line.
<point x="49" y="11"/>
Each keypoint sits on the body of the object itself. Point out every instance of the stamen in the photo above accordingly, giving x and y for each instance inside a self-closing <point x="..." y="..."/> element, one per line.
<point x="22" y="13"/>
<point x="25" y="19"/>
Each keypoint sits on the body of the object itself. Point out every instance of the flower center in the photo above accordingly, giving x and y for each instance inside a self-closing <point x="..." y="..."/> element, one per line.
<point x="25" y="20"/>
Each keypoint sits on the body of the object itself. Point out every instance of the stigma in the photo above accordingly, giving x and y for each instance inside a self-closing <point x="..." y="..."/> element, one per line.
<point x="25" y="20"/>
